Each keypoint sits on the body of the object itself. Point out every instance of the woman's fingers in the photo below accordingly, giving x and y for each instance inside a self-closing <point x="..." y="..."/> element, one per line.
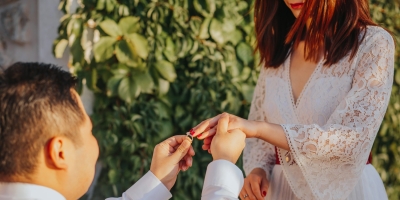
<point x="255" y="188"/>
<point x="248" y="191"/>
<point x="242" y="194"/>
<point x="264" y="187"/>
<point x="182" y="165"/>
<point x="208" y="133"/>
<point x="205" y="147"/>
<point x="207" y="143"/>
<point x="208" y="140"/>
<point x="205" y="125"/>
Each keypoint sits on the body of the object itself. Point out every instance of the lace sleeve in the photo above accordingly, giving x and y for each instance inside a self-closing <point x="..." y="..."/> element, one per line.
<point x="258" y="153"/>
<point x="331" y="157"/>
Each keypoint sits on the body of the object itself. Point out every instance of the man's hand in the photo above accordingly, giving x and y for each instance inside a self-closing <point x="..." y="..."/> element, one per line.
<point x="207" y="129"/>
<point x="227" y="145"/>
<point x="171" y="156"/>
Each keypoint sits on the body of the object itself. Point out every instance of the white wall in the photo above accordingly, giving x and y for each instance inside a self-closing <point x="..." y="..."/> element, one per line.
<point x="27" y="31"/>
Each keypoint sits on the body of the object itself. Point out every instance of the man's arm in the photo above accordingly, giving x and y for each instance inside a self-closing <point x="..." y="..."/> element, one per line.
<point x="224" y="180"/>
<point x="169" y="158"/>
<point x="148" y="187"/>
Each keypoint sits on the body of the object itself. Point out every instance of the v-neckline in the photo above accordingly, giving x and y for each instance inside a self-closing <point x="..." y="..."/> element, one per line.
<point x="296" y="103"/>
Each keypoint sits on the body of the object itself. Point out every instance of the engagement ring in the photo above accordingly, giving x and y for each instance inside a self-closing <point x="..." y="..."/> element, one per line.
<point x="189" y="136"/>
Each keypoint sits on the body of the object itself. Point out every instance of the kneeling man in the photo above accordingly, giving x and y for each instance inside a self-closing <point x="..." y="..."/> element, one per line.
<point x="48" y="151"/>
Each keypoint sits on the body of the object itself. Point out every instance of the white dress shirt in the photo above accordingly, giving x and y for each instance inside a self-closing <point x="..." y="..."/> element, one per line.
<point x="25" y="191"/>
<point x="223" y="181"/>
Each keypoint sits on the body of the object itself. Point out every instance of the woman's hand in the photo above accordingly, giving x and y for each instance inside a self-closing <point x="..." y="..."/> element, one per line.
<point x="208" y="127"/>
<point x="255" y="185"/>
<point x="271" y="133"/>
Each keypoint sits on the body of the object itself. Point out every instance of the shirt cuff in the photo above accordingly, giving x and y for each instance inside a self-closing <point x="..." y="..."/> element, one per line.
<point x="223" y="174"/>
<point x="148" y="187"/>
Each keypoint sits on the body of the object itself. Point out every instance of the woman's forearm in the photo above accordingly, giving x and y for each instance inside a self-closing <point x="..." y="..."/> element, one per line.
<point x="272" y="133"/>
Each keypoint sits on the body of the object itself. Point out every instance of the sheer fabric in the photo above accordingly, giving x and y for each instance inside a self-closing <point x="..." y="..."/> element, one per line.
<point x="332" y="126"/>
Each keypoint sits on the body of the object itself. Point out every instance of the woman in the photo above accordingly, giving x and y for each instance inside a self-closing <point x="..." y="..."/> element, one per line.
<point x="318" y="103"/>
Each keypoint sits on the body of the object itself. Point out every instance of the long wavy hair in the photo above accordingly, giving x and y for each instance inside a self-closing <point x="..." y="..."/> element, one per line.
<point x="334" y="28"/>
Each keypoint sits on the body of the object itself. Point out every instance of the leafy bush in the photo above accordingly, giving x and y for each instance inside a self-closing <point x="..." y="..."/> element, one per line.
<point x="157" y="68"/>
<point x="386" y="150"/>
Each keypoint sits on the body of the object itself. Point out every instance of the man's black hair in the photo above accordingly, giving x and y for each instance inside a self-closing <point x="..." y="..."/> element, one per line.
<point x="36" y="104"/>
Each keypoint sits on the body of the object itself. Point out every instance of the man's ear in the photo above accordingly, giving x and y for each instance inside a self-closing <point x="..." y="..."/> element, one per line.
<point x="59" y="149"/>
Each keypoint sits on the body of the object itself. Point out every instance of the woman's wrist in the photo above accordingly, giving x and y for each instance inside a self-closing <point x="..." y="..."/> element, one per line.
<point x="258" y="129"/>
<point x="259" y="171"/>
<point x="250" y="128"/>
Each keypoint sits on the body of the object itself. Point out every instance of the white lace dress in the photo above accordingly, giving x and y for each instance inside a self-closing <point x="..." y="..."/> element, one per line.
<point x="330" y="129"/>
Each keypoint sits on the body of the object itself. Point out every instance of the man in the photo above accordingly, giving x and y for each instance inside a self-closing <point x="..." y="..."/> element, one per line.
<point x="48" y="152"/>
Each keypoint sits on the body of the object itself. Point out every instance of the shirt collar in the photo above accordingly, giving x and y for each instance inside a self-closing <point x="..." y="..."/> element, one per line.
<point x="28" y="191"/>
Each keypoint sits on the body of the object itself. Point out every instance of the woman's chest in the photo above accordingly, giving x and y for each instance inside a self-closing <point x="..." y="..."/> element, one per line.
<point x="319" y="97"/>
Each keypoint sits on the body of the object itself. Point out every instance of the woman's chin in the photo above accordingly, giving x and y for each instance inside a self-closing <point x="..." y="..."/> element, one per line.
<point x="296" y="13"/>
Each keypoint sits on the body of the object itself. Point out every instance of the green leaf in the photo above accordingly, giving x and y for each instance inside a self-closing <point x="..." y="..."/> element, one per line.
<point x="74" y="27"/>
<point x="203" y="33"/>
<point x="236" y="37"/>
<point x="169" y="51"/>
<point x="60" y="48"/>
<point x="113" y="176"/>
<point x="110" y="27"/>
<point x="166" y="69"/>
<point x="128" y="90"/>
<point x="125" y="52"/>
<point x="244" y="52"/>
<point x="166" y="129"/>
<point x="101" y="4"/>
<point x="205" y="7"/>
<point x="76" y="51"/>
<point x="104" y="49"/>
<point x="247" y="91"/>
<point x="123" y="10"/>
<point x="397" y="77"/>
<point x="91" y="80"/>
<point x="121" y="71"/>
<point x="162" y="110"/>
<point x="110" y="5"/>
<point x="144" y="81"/>
<point x="140" y="44"/>
<point x="163" y="86"/>
<point x="129" y="25"/>
<point x="138" y="127"/>
<point x="228" y="26"/>
<point x="112" y="86"/>
<point x="242" y="6"/>
<point x="216" y="31"/>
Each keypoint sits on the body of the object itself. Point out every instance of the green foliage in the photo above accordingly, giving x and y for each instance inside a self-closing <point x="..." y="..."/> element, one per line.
<point x="160" y="67"/>
<point x="386" y="150"/>
<point x="157" y="69"/>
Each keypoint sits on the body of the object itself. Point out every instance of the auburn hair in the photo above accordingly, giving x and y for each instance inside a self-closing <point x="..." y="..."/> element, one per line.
<point x="334" y="28"/>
